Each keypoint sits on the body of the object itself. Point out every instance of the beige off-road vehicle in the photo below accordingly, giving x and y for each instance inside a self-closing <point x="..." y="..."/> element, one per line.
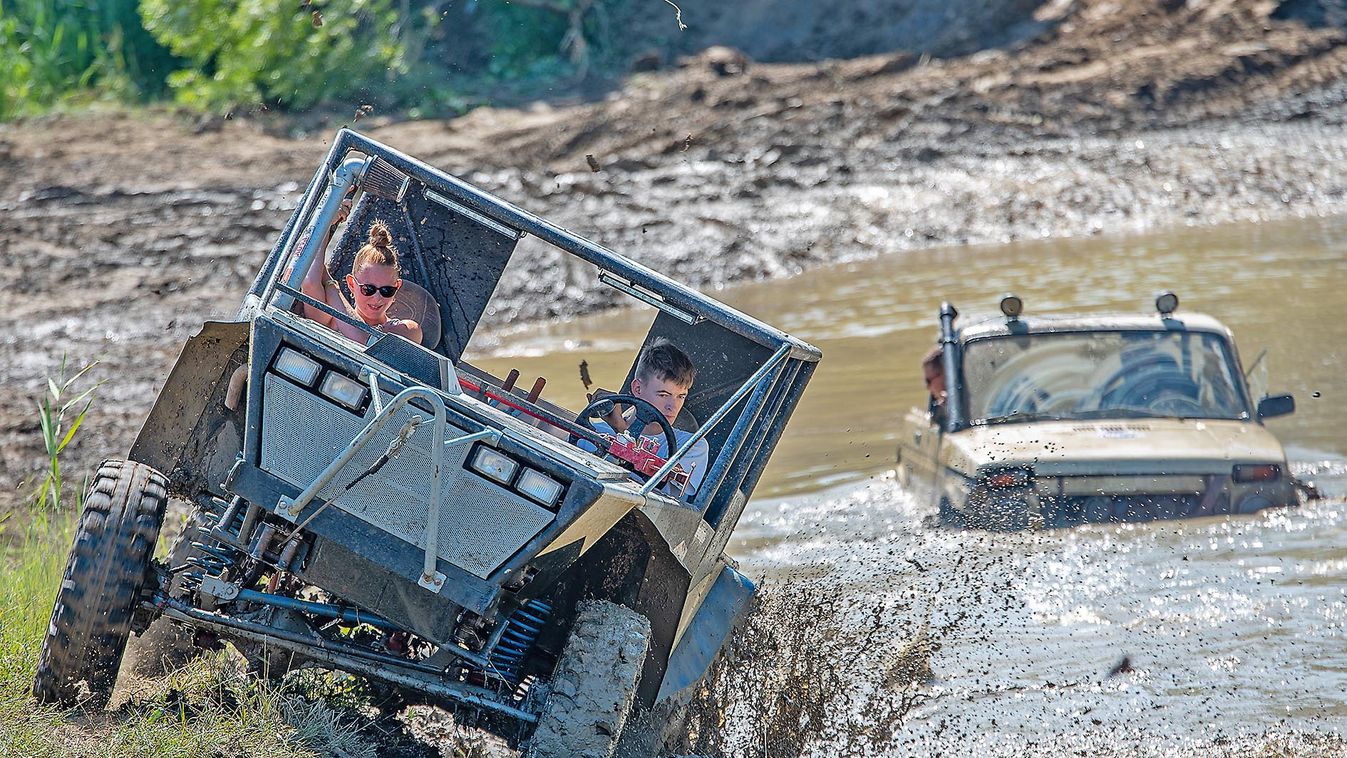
<point x="1058" y="421"/>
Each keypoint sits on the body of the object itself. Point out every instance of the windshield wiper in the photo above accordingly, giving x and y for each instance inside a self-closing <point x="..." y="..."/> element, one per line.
<point x="1117" y="413"/>
<point x="1014" y="418"/>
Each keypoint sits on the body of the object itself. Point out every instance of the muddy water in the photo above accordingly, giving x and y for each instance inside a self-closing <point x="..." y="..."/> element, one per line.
<point x="880" y="635"/>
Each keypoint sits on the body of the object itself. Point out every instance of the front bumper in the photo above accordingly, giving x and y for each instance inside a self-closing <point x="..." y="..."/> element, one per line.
<point x="1064" y="501"/>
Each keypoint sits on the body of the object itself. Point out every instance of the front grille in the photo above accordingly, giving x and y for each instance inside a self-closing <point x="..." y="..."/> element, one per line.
<point x="481" y="525"/>
<point x="1116" y="509"/>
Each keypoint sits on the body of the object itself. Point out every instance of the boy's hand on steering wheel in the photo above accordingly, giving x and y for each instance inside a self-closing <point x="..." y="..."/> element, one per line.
<point x="614" y="416"/>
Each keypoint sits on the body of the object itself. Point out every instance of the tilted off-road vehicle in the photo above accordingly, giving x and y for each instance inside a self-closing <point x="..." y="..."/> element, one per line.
<point x="1062" y="420"/>
<point x="386" y="509"/>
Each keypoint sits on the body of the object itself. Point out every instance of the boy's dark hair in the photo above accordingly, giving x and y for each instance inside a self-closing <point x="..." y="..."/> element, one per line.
<point x="664" y="360"/>
<point x="933" y="358"/>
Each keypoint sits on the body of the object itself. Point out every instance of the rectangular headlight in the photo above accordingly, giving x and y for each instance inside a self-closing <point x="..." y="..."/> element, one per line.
<point x="539" y="486"/>
<point x="344" y="390"/>
<point x="296" y="366"/>
<point x="493" y="464"/>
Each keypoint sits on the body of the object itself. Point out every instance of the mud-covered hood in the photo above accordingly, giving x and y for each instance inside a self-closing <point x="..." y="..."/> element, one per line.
<point x="1141" y="446"/>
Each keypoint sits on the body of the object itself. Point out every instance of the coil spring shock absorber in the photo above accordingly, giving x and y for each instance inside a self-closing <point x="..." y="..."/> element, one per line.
<point x="206" y="556"/>
<point x="521" y="631"/>
<point x="210" y="559"/>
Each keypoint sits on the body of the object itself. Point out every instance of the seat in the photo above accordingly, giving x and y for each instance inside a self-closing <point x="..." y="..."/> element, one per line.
<point x="415" y="303"/>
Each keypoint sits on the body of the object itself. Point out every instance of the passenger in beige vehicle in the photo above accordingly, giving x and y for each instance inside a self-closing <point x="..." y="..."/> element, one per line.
<point x="934" y="373"/>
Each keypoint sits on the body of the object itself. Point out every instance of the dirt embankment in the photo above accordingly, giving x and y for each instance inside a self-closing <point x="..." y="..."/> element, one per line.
<point x="122" y="233"/>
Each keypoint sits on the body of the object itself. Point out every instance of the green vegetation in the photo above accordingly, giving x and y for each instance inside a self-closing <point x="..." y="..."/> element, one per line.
<point x="210" y="708"/>
<point x="52" y="412"/>
<point x="425" y="56"/>
<point x="258" y="51"/>
<point x="60" y="50"/>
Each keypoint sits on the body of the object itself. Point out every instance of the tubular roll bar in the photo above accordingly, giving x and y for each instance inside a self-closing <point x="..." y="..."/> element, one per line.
<point x="431" y="578"/>
<point x="343" y="178"/>
<point x="519" y="220"/>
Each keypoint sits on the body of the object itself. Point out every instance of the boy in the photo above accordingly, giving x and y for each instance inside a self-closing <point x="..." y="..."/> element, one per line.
<point x="664" y="375"/>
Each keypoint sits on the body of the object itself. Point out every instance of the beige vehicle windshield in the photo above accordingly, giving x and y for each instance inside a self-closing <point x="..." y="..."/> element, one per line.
<point x="1092" y="375"/>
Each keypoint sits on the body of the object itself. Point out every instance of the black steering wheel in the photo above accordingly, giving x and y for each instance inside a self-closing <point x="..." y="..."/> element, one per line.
<point x="645" y="414"/>
<point x="1157" y="384"/>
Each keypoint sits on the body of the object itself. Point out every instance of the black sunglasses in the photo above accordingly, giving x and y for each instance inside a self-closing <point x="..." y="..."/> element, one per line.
<point x="368" y="290"/>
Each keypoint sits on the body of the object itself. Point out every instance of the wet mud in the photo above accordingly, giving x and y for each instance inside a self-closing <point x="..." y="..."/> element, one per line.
<point x="878" y="634"/>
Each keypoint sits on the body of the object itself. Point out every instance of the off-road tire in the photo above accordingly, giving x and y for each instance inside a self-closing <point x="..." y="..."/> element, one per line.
<point x="591" y="693"/>
<point x="168" y="645"/>
<point x="109" y="564"/>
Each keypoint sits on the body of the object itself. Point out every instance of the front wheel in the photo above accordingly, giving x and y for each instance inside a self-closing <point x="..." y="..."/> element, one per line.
<point x="108" y="566"/>
<point x="592" y="691"/>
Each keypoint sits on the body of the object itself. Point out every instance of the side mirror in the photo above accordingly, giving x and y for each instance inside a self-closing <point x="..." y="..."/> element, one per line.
<point x="1276" y="405"/>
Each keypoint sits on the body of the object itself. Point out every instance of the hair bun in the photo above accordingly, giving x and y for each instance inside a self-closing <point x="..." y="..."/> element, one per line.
<point x="379" y="236"/>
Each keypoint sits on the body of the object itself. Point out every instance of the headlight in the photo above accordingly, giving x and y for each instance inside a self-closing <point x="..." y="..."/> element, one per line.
<point x="539" y="486"/>
<point x="493" y="464"/>
<point x="296" y="366"/>
<point x="344" y="390"/>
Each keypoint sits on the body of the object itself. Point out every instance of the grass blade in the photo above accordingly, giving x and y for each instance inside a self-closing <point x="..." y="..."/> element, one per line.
<point x="70" y="435"/>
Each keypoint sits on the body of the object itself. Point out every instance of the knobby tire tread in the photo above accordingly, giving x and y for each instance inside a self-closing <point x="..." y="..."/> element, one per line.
<point x="108" y="566"/>
<point x="594" y="687"/>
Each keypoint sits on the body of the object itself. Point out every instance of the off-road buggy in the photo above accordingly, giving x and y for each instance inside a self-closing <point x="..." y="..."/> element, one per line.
<point x="389" y="510"/>
<point x="1061" y="420"/>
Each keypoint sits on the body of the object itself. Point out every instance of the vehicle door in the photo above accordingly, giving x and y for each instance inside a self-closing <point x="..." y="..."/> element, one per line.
<point x="919" y="453"/>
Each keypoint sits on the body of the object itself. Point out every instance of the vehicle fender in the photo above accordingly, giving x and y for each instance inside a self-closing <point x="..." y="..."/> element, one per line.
<point x="189" y="434"/>
<point x="724" y="608"/>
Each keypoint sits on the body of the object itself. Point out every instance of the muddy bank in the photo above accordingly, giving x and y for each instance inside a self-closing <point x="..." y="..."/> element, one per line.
<point x="126" y="231"/>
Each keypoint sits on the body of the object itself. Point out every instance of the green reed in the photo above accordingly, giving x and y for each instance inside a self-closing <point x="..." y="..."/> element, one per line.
<point x="210" y="707"/>
<point x="59" y="50"/>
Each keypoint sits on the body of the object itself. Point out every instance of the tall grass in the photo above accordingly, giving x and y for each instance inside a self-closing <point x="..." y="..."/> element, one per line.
<point x="55" y="50"/>
<point x="59" y="416"/>
<point x="210" y="708"/>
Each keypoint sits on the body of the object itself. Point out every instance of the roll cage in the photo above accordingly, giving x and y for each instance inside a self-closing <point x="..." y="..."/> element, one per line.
<point x="455" y="242"/>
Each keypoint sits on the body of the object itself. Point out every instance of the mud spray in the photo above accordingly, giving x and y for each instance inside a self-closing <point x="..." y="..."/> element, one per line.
<point x="877" y="633"/>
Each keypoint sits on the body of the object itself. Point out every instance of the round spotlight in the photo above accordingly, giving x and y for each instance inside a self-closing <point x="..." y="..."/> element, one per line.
<point x="1012" y="306"/>
<point x="1166" y="303"/>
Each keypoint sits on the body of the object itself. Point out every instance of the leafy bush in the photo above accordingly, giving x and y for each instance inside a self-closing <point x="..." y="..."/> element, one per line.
<point x="53" y="49"/>
<point x="553" y="39"/>
<point x="428" y="56"/>
<point x="263" y="51"/>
